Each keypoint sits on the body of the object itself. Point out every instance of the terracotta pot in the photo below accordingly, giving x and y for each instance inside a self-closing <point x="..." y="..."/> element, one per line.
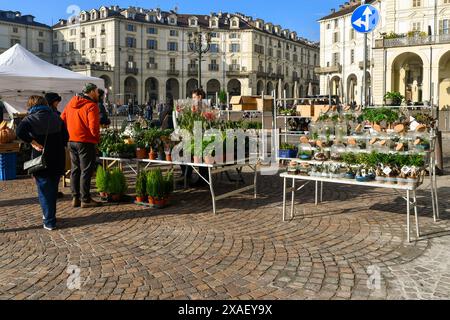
<point x="141" y="153"/>
<point x="161" y="203"/>
<point x="140" y="199"/>
<point x="197" y="159"/>
<point x="103" y="195"/>
<point x="210" y="160"/>
<point x="152" y="155"/>
<point x="116" y="197"/>
<point x="151" y="200"/>
<point x="169" y="157"/>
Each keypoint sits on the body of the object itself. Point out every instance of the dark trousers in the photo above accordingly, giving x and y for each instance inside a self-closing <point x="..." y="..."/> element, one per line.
<point x="83" y="156"/>
<point x="48" y="194"/>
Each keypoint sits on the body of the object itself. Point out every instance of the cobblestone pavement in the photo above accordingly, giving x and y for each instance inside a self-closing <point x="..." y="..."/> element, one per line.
<point x="244" y="252"/>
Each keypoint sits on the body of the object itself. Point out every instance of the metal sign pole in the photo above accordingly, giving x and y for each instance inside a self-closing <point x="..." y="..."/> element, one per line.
<point x="364" y="101"/>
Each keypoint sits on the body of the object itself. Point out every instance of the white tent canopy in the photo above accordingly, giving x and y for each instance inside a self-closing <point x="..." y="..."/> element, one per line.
<point x="23" y="74"/>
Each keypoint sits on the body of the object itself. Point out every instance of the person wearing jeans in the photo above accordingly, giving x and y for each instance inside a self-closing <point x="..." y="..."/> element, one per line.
<point x="82" y="117"/>
<point x="48" y="136"/>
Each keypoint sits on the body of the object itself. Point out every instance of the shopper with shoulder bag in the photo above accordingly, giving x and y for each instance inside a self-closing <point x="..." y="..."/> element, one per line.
<point x="47" y="134"/>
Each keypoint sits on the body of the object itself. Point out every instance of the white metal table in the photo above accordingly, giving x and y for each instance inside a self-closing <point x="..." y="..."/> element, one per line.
<point x="214" y="169"/>
<point x="410" y="193"/>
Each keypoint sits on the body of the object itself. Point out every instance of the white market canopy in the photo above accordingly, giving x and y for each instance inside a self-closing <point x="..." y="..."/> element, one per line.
<point x="23" y="74"/>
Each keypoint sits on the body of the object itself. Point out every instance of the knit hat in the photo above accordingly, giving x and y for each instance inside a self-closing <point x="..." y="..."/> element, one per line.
<point x="89" y="87"/>
<point x="52" y="97"/>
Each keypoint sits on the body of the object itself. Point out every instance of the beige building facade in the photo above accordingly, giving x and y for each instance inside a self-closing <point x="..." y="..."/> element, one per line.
<point x="144" y="55"/>
<point x="23" y="29"/>
<point x="409" y="52"/>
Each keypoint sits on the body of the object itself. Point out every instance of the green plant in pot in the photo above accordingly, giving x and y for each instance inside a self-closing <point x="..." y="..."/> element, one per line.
<point x="141" y="187"/>
<point x="101" y="181"/>
<point x="159" y="187"/>
<point x="117" y="186"/>
<point x="141" y="146"/>
<point x="151" y="138"/>
<point x="393" y="98"/>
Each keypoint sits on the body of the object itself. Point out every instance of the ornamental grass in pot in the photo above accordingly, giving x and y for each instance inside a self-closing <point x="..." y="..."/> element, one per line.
<point x="159" y="187"/>
<point x="117" y="185"/>
<point x="101" y="181"/>
<point x="141" y="188"/>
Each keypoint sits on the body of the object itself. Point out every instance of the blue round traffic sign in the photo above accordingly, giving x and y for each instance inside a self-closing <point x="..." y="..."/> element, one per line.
<point x="365" y="18"/>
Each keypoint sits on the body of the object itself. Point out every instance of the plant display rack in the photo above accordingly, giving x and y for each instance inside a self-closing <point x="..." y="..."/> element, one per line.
<point x="370" y="145"/>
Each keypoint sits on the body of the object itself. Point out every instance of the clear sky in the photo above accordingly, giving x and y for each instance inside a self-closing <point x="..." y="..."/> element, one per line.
<point x="298" y="15"/>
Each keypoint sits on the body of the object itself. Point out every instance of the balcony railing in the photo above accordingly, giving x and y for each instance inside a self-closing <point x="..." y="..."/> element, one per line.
<point x="369" y="64"/>
<point x="332" y="69"/>
<point x="173" y="73"/>
<point x="192" y="70"/>
<point x="152" y="66"/>
<point x="131" y="70"/>
<point x="412" y="41"/>
<point x="93" y="66"/>
<point x="213" y="67"/>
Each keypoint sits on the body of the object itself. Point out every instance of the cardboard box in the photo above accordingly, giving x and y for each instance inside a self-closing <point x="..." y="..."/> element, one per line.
<point x="243" y="103"/>
<point x="306" y="110"/>
<point x="266" y="104"/>
<point x="319" y="110"/>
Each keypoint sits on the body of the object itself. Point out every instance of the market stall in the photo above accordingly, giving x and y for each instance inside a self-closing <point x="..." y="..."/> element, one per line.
<point x="23" y="74"/>
<point x="379" y="147"/>
<point x="140" y="147"/>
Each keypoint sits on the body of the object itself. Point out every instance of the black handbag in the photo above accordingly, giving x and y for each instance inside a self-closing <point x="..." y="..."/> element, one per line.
<point x="38" y="164"/>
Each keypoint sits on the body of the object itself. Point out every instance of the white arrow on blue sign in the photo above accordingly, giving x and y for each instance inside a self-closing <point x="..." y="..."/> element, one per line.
<point x="365" y="18"/>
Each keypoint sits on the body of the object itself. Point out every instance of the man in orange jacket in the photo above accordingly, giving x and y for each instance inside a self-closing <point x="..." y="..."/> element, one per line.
<point x="82" y="118"/>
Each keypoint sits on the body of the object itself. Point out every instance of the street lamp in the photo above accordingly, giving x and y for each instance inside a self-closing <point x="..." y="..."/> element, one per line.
<point x="200" y="43"/>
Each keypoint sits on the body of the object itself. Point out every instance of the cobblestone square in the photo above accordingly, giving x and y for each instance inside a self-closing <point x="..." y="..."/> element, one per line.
<point x="244" y="252"/>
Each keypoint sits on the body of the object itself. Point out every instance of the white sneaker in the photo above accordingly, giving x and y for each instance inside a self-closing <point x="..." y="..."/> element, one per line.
<point x="48" y="228"/>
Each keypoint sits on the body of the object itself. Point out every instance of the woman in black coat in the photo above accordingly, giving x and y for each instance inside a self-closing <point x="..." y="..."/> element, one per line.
<point x="43" y="127"/>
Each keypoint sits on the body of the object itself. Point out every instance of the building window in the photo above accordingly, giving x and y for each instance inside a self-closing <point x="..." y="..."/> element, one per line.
<point x="131" y="27"/>
<point x="214" y="35"/>
<point x="335" y="37"/>
<point x="41" y="34"/>
<point x="172" y="46"/>
<point x="417" y="26"/>
<point x="234" y="36"/>
<point x="336" y="23"/>
<point x="92" y="43"/>
<point x="444" y="25"/>
<point x="336" y="58"/>
<point x="172" y="64"/>
<point x="103" y="43"/>
<point x="93" y="29"/>
<point x="235" y="23"/>
<point x="71" y="46"/>
<point x="235" y="47"/>
<point x="152" y="30"/>
<point x="352" y="56"/>
<point x="152" y="44"/>
<point x="55" y="48"/>
<point x="131" y="42"/>
<point x="41" y="47"/>
<point x="416" y="3"/>
<point x="73" y="32"/>
<point x="174" y="33"/>
<point x="15" y="30"/>
<point x="214" y="48"/>
<point x="14" y="42"/>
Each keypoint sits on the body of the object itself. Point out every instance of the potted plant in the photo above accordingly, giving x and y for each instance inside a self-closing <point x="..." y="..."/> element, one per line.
<point x="393" y="98"/>
<point x="159" y="187"/>
<point x="288" y="151"/>
<point x="141" y="146"/>
<point x="141" y="187"/>
<point x="117" y="185"/>
<point x="101" y="181"/>
<point x="151" y="137"/>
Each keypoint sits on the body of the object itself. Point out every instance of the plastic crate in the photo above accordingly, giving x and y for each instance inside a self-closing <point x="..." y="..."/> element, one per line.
<point x="8" y="166"/>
